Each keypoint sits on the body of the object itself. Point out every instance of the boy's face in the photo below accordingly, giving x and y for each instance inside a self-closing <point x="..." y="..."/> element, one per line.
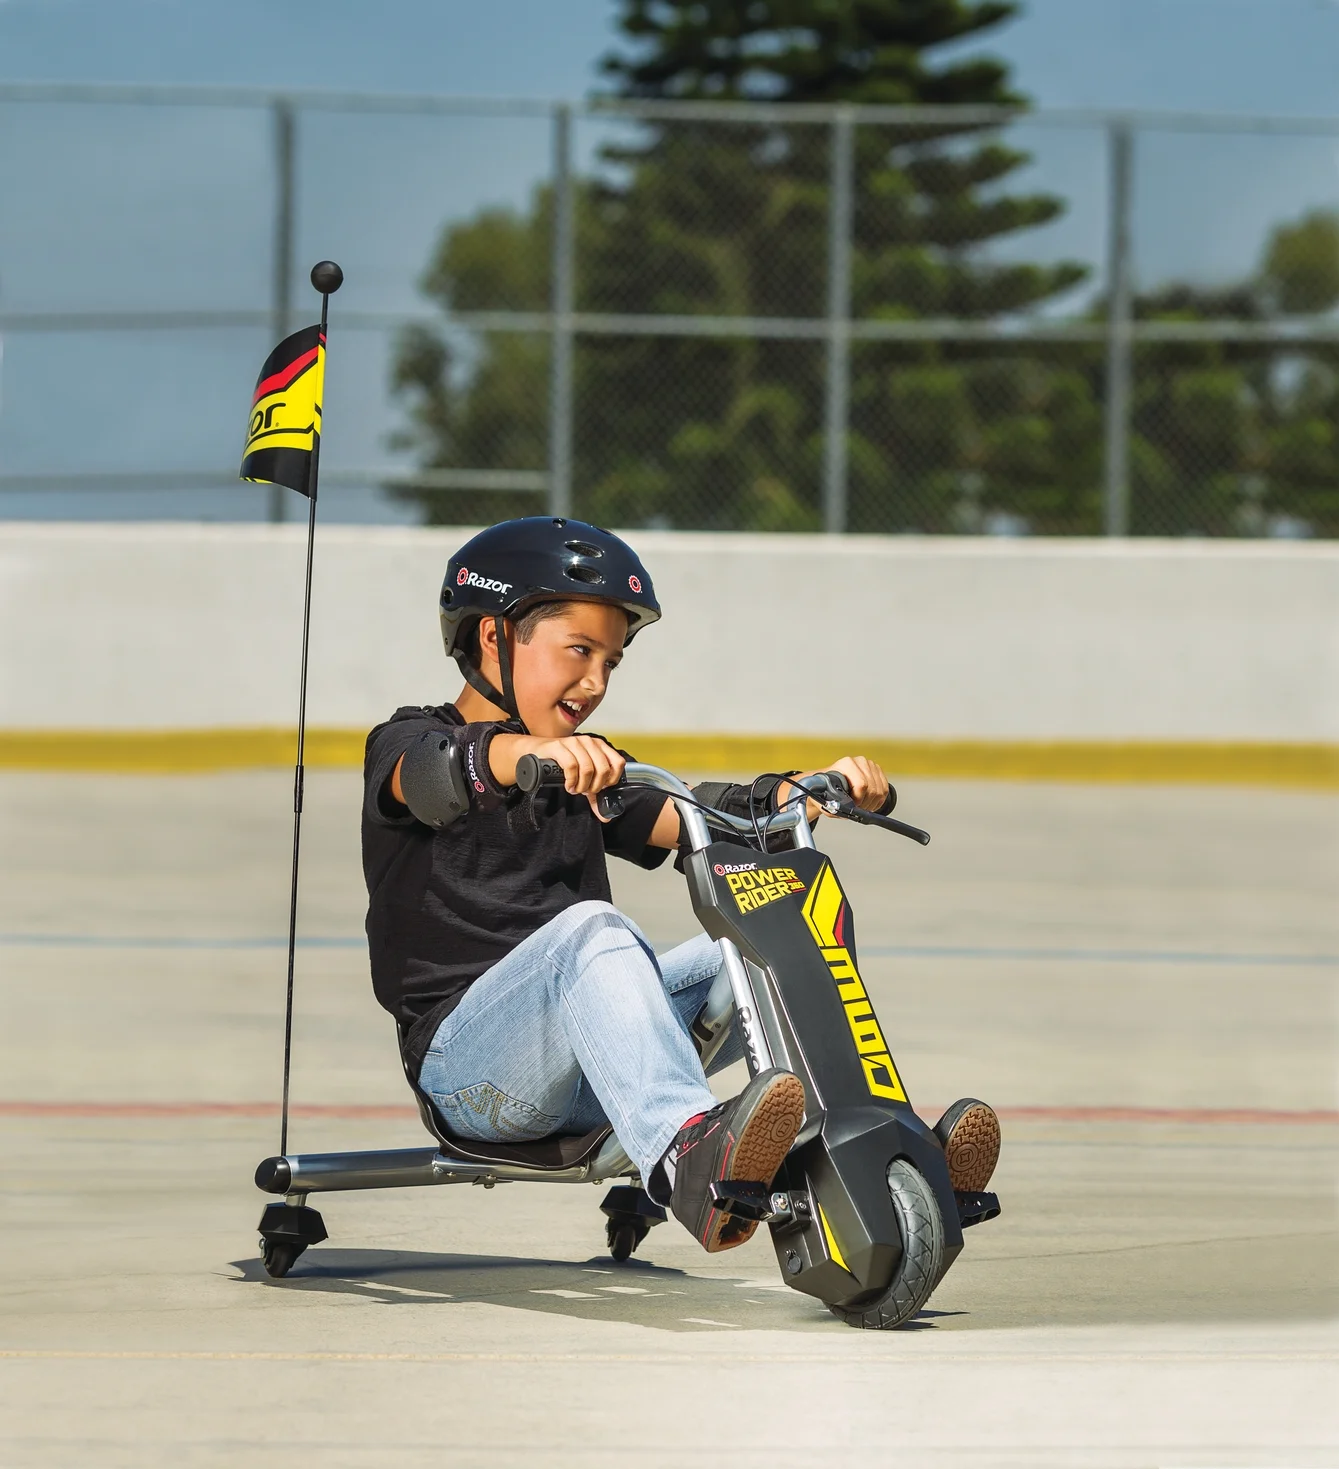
<point x="561" y="674"/>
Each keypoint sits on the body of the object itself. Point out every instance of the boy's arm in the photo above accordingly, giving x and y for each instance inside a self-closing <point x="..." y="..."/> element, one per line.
<point x="588" y="764"/>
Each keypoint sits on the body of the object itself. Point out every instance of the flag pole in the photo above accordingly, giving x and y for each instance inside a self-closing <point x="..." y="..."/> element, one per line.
<point x="327" y="277"/>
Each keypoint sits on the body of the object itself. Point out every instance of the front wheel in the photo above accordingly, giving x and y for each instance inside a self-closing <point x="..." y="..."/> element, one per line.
<point x="921" y="1227"/>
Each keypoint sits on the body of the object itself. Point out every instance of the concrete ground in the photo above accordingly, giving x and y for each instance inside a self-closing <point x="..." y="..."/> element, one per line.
<point x="1143" y="981"/>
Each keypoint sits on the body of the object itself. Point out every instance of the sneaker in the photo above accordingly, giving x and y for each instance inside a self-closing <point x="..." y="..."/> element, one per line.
<point x="745" y="1139"/>
<point x="969" y="1133"/>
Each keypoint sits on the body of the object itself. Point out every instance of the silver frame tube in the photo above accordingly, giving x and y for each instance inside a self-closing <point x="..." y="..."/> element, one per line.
<point x="324" y="1173"/>
<point x="695" y="823"/>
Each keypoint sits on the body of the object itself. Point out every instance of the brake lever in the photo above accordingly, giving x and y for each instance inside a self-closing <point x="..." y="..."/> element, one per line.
<point x="851" y="812"/>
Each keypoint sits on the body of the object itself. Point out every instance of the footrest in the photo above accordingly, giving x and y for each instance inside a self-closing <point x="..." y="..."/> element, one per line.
<point x="976" y="1208"/>
<point x="743" y="1200"/>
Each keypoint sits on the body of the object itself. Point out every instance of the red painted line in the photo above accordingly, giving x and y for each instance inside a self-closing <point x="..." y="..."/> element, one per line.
<point x="1211" y="1116"/>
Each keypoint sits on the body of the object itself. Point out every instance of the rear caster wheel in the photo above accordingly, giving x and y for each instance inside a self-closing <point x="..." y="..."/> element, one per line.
<point x="623" y="1239"/>
<point x="631" y="1215"/>
<point x="279" y="1256"/>
<point x="285" y="1231"/>
<point x="921" y="1226"/>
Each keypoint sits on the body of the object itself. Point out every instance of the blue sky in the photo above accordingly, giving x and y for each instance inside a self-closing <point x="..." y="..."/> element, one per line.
<point x="1228" y="55"/>
<point x="118" y="207"/>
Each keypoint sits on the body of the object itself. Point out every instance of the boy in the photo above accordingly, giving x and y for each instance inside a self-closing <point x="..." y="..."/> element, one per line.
<point x="527" y="1005"/>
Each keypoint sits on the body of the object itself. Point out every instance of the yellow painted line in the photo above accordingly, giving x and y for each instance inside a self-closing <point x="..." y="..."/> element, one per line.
<point x="1313" y="766"/>
<point x="695" y="1358"/>
<point x="176" y="751"/>
<point x="159" y="752"/>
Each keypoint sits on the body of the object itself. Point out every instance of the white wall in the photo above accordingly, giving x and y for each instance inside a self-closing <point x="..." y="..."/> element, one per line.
<point x="161" y="626"/>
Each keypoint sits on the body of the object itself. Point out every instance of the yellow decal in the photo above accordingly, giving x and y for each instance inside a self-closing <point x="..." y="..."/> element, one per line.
<point x="822" y="911"/>
<point x="286" y="409"/>
<point x="834" y="1254"/>
<point x="762" y="886"/>
<point x="822" y="906"/>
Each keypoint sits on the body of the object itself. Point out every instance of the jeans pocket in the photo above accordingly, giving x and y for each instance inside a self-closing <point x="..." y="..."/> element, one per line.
<point x="488" y="1114"/>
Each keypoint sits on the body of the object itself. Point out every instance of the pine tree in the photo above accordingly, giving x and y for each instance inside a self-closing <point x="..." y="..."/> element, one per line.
<point x="710" y="218"/>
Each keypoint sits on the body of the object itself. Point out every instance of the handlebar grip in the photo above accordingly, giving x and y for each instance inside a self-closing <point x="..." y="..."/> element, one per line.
<point x="532" y="772"/>
<point x="837" y="780"/>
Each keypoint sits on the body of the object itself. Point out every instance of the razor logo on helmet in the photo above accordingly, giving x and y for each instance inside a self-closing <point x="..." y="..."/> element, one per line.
<point x="467" y="578"/>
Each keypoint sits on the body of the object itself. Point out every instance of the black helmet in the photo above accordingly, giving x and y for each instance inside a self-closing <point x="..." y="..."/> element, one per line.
<point x="513" y="566"/>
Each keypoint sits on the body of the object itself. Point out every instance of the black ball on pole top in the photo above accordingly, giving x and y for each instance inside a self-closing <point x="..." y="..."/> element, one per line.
<point x="327" y="277"/>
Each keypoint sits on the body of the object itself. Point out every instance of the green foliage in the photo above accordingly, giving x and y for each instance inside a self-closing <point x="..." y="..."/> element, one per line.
<point x="686" y="218"/>
<point x="1235" y="438"/>
<point x="868" y="51"/>
<point x="689" y="218"/>
<point x="1301" y="265"/>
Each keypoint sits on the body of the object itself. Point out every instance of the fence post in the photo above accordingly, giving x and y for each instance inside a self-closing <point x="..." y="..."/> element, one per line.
<point x="560" y="338"/>
<point x="836" y="405"/>
<point x="281" y="289"/>
<point x="1120" y="301"/>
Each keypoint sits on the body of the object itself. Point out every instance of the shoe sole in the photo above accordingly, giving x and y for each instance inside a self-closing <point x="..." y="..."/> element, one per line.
<point x="768" y="1135"/>
<point x="972" y="1148"/>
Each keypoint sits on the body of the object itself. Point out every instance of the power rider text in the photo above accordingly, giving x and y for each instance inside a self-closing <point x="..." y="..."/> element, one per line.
<point x="761" y="886"/>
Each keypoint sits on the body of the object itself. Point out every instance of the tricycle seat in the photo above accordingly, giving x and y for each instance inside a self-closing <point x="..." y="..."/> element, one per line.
<point x="544" y="1155"/>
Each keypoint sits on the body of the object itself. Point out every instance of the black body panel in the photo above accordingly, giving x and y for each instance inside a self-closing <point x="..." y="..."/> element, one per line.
<point x="787" y="914"/>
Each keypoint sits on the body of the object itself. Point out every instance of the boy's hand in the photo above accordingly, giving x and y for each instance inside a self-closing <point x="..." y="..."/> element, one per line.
<point x="869" y="785"/>
<point x="588" y="764"/>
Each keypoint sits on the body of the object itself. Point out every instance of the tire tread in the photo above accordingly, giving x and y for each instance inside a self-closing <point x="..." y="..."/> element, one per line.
<point x="921" y="1265"/>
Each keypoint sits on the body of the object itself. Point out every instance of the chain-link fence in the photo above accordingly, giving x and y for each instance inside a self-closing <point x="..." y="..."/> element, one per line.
<point x="692" y="315"/>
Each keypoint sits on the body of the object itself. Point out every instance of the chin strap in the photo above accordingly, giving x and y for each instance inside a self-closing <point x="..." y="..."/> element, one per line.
<point x="504" y="663"/>
<point x="507" y="698"/>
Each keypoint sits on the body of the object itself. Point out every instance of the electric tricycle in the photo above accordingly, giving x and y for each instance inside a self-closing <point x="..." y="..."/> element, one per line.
<point x="863" y="1214"/>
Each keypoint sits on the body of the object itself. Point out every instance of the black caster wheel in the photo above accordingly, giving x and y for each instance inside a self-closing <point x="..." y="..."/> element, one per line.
<point x="631" y="1216"/>
<point x="624" y="1237"/>
<point x="279" y="1256"/>
<point x="285" y="1231"/>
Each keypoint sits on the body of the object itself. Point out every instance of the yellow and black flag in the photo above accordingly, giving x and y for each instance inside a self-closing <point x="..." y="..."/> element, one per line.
<point x="285" y="426"/>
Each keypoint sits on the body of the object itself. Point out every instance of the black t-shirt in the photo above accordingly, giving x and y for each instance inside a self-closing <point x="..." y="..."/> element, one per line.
<point x="444" y="906"/>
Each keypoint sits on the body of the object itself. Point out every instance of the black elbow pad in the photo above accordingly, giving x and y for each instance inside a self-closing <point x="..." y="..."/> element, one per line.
<point x="432" y="778"/>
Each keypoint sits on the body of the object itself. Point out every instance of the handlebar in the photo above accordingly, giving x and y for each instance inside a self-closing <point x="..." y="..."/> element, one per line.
<point x="832" y="791"/>
<point x="829" y="788"/>
<point x="532" y="773"/>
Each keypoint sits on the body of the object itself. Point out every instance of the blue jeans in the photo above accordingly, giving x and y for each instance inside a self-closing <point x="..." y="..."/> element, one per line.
<point x="580" y="1025"/>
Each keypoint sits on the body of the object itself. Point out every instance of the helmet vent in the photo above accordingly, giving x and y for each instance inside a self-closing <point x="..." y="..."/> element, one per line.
<point x="583" y="548"/>
<point x="587" y="574"/>
<point x="447" y="594"/>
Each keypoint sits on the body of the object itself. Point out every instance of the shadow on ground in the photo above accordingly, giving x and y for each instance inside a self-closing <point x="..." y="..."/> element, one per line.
<point x="636" y="1293"/>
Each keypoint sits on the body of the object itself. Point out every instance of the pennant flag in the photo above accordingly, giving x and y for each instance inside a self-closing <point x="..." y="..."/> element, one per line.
<point x="285" y="425"/>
